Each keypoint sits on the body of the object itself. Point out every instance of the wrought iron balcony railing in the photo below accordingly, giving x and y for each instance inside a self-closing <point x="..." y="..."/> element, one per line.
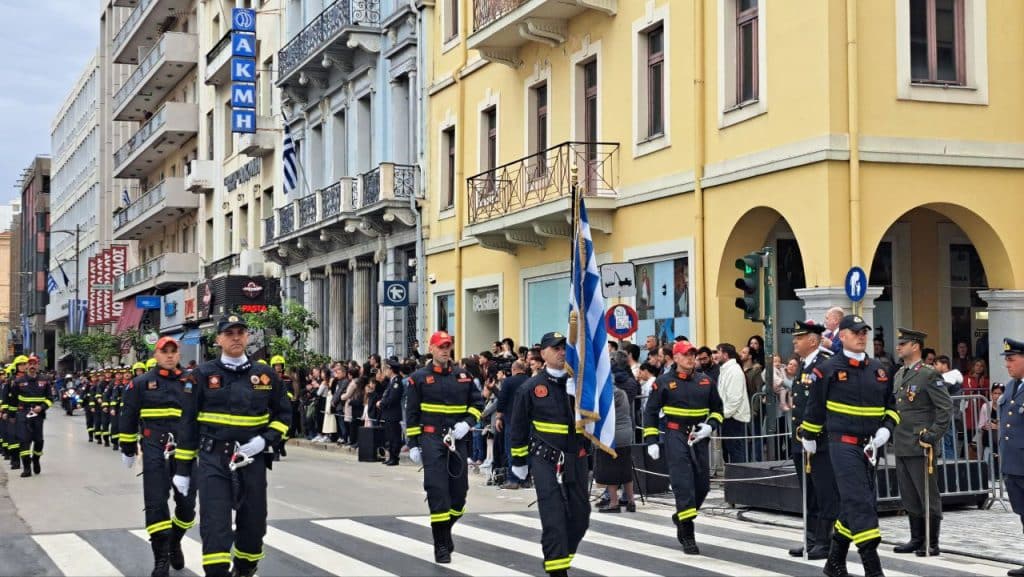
<point x="307" y="210"/>
<point x="405" y="181"/>
<point x="487" y="11"/>
<point x="323" y="28"/>
<point x="223" y="44"/>
<point x="543" y="177"/>
<point x="152" y="197"/>
<point x="330" y="200"/>
<point x="222" y="266"/>
<point x="268" y="229"/>
<point x="371" y="187"/>
<point x="287" y="217"/>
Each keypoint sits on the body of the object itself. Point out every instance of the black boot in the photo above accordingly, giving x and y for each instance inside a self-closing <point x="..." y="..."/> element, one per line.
<point x="26" y="466"/>
<point x="36" y="468"/>
<point x="684" y="532"/>
<point x="159" y="542"/>
<point x="283" y="451"/>
<point x="916" y="537"/>
<point x="448" y="535"/>
<point x="106" y="440"/>
<point x="243" y="568"/>
<point x="90" y="436"/>
<point x="441" y="552"/>
<point x="177" y="557"/>
<point x="933" y="538"/>
<point x="559" y="573"/>
<point x="821" y="540"/>
<point x="836" y="564"/>
<point x="15" y="461"/>
<point x="808" y="539"/>
<point x="869" y="557"/>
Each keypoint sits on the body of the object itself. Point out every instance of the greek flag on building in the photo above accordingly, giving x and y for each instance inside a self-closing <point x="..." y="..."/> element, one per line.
<point x="586" y="350"/>
<point x="51" y="283"/>
<point x="289" y="162"/>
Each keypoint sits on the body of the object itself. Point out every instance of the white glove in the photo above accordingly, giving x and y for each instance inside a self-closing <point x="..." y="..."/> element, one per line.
<point x="415" y="455"/>
<point x="254" y="447"/>
<point x="654" y="451"/>
<point x="881" y="437"/>
<point x="181" y="483"/>
<point x="703" y="431"/>
<point x="521" y="472"/>
<point x="460" y="429"/>
<point x="129" y="462"/>
<point x="810" y="447"/>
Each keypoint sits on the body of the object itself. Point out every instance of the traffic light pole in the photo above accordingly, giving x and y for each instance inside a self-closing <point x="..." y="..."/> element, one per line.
<point x="768" y="319"/>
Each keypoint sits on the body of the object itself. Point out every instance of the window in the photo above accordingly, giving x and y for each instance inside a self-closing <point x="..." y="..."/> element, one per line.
<point x="545" y="304"/>
<point x="448" y="167"/>
<point x="590" y="119"/>
<point x="937" y="54"/>
<point x="746" y="51"/>
<point x="655" y="82"/>
<point x="209" y="135"/>
<point x="539" y="129"/>
<point x="444" y="312"/>
<point x="339" y="139"/>
<point x="364" y="136"/>
<point x="663" y="297"/>
<point x="229" y="137"/>
<point x="451" y="20"/>
<point x="229" y="232"/>
<point x="490" y="123"/>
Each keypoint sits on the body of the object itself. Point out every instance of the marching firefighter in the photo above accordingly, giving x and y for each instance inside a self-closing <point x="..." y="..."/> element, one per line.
<point x="106" y="389"/>
<point x="693" y="411"/>
<point x="390" y="406"/>
<point x="19" y="363"/>
<point x="543" y="429"/>
<point x="443" y="404"/>
<point x="33" y="395"/>
<point x="114" y="405"/>
<point x="822" y="502"/>
<point x="139" y="368"/>
<point x="278" y="364"/>
<point x="6" y="426"/>
<point x="851" y="408"/>
<point x="925" y="412"/>
<point x="92" y="407"/>
<point x="153" y="402"/>
<point x="236" y="411"/>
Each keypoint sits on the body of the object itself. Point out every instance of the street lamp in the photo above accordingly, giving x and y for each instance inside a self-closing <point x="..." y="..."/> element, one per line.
<point x="76" y="307"/>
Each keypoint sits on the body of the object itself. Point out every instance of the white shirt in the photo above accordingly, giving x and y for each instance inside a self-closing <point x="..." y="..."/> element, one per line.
<point x="732" y="387"/>
<point x="810" y="358"/>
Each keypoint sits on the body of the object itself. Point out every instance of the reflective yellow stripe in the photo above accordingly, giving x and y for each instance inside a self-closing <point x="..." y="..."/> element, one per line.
<point x="649" y="431"/>
<point x="717" y="416"/>
<point x="843" y="408"/>
<point x="441" y="517"/>
<point x="248" y="556"/>
<point x="169" y="412"/>
<point x="680" y="412"/>
<point x="687" y="514"/>
<point x="126" y="438"/>
<point x="552" y="428"/>
<point x="520" y="451"/>
<point x="443" y="409"/>
<point x="455" y="513"/>
<point x="413" y="431"/>
<point x="216" y="558"/>
<point x="183" y="524"/>
<point x="279" y="426"/>
<point x="233" y="420"/>
<point x="184" y="454"/>
<point x="115" y="437"/>
<point x="159" y="526"/>
<point x="868" y="535"/>
<point x="894" y="415"/>
<point x="842" y="530"/>
<point x="811" y="427"/>
<point x="475" y="412"/>
<point x="291" y="396"/>
<point x="557" y="564"/>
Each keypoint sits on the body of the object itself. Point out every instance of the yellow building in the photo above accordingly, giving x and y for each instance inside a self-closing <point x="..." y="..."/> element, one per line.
<point x="884" y="135"/>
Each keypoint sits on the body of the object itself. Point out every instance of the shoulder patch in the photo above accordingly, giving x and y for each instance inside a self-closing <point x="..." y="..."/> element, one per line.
<point x="151" y="385"/>
<point x="265" y="379"/>
<point x="213" y="382"/>
<point x="705" y="381"/>
<point x="430" y="379"/>
<point x="540" y="391"/>
<point x="881" y="375"/>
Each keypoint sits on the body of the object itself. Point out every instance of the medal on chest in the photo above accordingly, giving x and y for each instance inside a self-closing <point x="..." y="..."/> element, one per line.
<point x="911" y="393"/>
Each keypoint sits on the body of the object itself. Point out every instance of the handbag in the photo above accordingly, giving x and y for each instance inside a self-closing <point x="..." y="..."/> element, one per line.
<point x="311" y="411"/>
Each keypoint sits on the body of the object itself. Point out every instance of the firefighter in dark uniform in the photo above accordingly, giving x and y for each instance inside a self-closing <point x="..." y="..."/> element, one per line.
<point x="822" y="495"/>
<point x="390" y="406"/>
<point x="543" y="429"/>
<point x="1011" y="441"/>
<point x="851" y="408"/>
<point x="85" y="394"/>
<point x="120" y="378"/>
<point x="153" y="403"/>
<point x="278" y="364"/>
<point x="693" y="411"/>
<point x="443" y="405"/>
<point x="7" y="434"/>
<point x="19" y="363"/>
<point x="139" y="369"/>
<point x="236" y="412"/>
<point x="95" y="402"/>
<point x="106" y="389"/>
<point x="33" y="395"/>
<point x="926" y="410"/>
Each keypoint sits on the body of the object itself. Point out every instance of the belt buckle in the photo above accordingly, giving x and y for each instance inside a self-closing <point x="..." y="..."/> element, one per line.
<point x="672" y="425"/>
<point x="850" y="439"/>
<point x="238" y="459"/>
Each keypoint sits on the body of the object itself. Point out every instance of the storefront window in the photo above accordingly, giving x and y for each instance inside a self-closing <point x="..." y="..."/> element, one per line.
<point x="547" y="307"/>
<point x="663" y="298"/>
<point x="444" y="312"/>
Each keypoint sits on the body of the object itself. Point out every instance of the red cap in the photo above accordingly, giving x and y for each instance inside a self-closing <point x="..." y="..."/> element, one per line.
<point x="682" y="347"/>
<point x="439" y="338"/>
<point x="164" y="341"/>
<point x="33" y="358"/>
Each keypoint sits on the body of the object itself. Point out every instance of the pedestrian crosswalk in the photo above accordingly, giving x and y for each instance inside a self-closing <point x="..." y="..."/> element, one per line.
<point x="487" y="545"/>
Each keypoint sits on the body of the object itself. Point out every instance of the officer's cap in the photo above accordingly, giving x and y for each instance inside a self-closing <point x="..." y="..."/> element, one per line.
<point x="552" y="340"/>
<point x="807" y="327"/>
<point x="394" y="364"/>
<point x="904" y="336"/>
<point x="230" y="322"/>
<point x="1012" y="347"/>
<point x="854" y="323"/>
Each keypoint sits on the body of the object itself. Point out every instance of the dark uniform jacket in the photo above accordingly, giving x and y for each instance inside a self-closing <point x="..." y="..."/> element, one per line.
<point x="544" y="413"/>
<point x="28" y="391"/>
<point x="439" y="397"/>
<point x="803" y="382"/>
<point x="391" y="401"/>
<point x="849" y="401"/>
<point x="1011" y="421"/>
<point x="688" y="399"/>
<point x="231" y="405"/>
<point x="924" y="404"/>
<point x="155" y="399"/>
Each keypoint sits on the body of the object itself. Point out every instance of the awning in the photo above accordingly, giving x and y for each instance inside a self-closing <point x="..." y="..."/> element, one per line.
<point x="130" y="316"/>
<point x="176" y="336"/>
<point x="191" y="337"/>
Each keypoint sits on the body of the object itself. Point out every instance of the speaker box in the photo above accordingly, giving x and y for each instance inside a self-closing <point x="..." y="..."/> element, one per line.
<point x="371" y="444"/>
<point x="647" y="483"/>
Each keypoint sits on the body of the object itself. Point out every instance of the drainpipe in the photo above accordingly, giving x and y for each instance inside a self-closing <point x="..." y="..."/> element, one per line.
<point x="700" y="326"/>
<point x="853" y="118"/>
<point x="460" y="197"/>
<point x="421" y="184"/>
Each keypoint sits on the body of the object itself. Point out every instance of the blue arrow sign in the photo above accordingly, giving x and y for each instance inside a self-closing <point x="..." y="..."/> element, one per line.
<point x="396" y="293"/>
<point x="856" y="284"/>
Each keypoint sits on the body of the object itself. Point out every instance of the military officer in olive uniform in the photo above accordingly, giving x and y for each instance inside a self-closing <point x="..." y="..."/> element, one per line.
<point x="925" y="412"/>
<point x="1011" y="440"/>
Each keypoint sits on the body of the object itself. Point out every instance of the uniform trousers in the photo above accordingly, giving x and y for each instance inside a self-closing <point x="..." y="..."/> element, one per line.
<point x="30" y="434"/>
<point x="564" y="510"/>
<point x="393" y="437"/>
<point x="156" y="483"/>
<point x="689" y="472"/>
<point x="445" y="477"/>
<point x="103" y="429"/>
<point x="89" y="418"/>
<point x="911" y="473"/>
<point x="217" y="496"/>
<point x="858" y="513"/>
<point x="1015" y="489"/>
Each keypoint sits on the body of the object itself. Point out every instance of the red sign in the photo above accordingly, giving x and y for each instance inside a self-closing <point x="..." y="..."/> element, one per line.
<point x="118" y="264"/>
<point x="621" y="321"/>
<point x="253" y="308"/>
<point x="93" y="297"/>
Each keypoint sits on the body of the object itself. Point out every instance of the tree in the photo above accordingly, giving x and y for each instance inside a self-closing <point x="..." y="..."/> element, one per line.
<point x="133" y="337"/>
<point x="77" y="344"/>
<point x="103" y="346"/>
<point x="285" y="330"/>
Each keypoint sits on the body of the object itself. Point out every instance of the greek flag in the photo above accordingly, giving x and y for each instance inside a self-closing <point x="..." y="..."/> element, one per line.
<point x="126" y="198"/>
<point x="586" y="351"/>
<point x="289" y="162"/>
<point x="51" y="283"/>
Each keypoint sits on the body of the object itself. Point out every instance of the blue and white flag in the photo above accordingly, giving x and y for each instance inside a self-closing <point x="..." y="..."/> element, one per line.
<point x="51" y="283"/>
<point x="586" y="351"/>
<point x="126" y="198"/>
<point x="289" y="162"/>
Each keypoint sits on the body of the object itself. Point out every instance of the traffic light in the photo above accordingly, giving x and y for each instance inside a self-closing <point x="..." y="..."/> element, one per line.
<point x="750" y="284"/>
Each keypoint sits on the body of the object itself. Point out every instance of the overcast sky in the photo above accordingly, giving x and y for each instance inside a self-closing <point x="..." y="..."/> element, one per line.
<point x="47" y="43"/>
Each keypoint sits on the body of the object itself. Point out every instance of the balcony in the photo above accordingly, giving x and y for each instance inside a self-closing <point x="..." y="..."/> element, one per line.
<point x="162" y="135"/>
<point x="143" y="28"/>
<point x="161" y="69"/>
<point x="222" y="267"/>
<point x="529" y="200"/>
<point x="201" y="176"/>
<point x="218" y="62"/>
<point x="501" y="27"/>
<point x="385" y="192"/>
<point x="164" y="203"/>
<point x="165" y="271"/>
<point x="330" y="39"/>
<point x="326" y="208"/>
<point x="263" y="141"/>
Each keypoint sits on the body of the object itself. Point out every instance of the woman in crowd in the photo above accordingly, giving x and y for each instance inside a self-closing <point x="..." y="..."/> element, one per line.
<point x="976" y="384"/>
<point x="339" y="383"/>
<point x="618" y="471"/>
<point x="988" y="425"/>
<point x="354" y="398"/>
<point x="756" y="346"/>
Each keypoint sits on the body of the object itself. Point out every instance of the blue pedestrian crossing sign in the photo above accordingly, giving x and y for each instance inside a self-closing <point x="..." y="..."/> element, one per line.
<point x="856" y="284"/>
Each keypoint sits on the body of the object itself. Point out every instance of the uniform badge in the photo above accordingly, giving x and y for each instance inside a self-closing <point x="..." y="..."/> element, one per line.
<point x="188" y="387"/>
<point x="430" y="379"/>
<point x="213" y="382"/>
<point x="672" y="385"/>
<point x="841" y="375"/>
<point x="151" y="385"/>
<point x="265" y="379"/>
<point x="704" y="382"/>
<point x="255" y="379"/>
<point x="396" y="385"/>
<point x="541" y="391"/>
<point x="882" y="376"/>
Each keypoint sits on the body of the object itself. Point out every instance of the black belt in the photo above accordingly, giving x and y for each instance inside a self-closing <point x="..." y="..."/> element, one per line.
<point x="211" y="445"/>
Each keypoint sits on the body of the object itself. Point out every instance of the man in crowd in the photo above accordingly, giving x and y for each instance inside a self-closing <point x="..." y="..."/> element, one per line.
<point x="650" y="348"/>
<point x="732" y="386"/>
<point x="1011" y="421"/>
<point x="707" y="363"/>
<point x="954" y="380"/>
<point x="390" y="406"/>
<point x="830" y="338"/>
<point x="503" y="414"/>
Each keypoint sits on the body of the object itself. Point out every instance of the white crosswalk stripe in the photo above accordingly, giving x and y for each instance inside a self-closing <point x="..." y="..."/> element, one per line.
<point x="74" y="556"/>
<point x="320" y="556"/>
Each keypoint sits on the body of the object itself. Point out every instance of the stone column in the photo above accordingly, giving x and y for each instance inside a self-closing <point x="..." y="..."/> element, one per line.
<point x="336" y="313"/>
<point x="361" y="345"/>
<point x="314" y="293"/>
<point x="818" y="300"/>
<point x="1005" y="319"/>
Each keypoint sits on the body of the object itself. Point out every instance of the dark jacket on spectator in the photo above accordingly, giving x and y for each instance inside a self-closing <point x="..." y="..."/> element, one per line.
<point x="623" y="378"/>
<point x="507" y="393"/>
